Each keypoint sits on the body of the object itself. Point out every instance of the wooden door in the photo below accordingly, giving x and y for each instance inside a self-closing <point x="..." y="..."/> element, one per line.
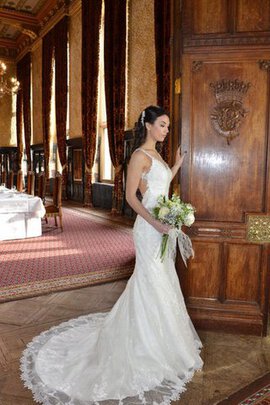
<point x="226" y="177"/>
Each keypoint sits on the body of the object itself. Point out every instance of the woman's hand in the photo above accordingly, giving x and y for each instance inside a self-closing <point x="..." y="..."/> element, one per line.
<point x="178" y="157"/>
<point x="178" y="161"/>
<point x="160" y="227"/>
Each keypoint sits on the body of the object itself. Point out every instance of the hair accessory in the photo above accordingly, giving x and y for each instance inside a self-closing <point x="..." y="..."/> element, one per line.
<point x="142" y="117"/>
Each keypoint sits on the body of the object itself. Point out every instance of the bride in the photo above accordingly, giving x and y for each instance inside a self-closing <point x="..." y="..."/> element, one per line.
<point x="145" y="349"/>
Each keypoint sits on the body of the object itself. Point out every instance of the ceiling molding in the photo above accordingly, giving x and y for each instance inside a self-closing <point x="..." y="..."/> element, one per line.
<point x="7" y="54"/>
<point x="46" y="9"/>
<point x="33" y="28"/>
<point x="18" y="16"/>
<point x="22" y="42"/>
<point x="25" y="44"/>
<point x="8" y="43"/>
<point x="75" y="7"/>
<point x="34" y="46"/>
<point x="27" y="25"/>
<point x="55" y="15"/>
<point x="26" y="29"/>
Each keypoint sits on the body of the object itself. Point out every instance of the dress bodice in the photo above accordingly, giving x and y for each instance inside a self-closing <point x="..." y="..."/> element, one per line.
<point x="157" y="181"/>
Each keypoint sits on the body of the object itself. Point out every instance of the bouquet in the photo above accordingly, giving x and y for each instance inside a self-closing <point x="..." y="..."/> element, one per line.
<point x="173" y="211"/>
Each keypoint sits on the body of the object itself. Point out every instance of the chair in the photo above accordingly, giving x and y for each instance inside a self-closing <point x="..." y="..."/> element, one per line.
<point x="19" y="184"/>
<point x="31" y="183"/>
<point x="55" y="209"/>
<point x="10" y="179"/>
<point x="41" y="186"/>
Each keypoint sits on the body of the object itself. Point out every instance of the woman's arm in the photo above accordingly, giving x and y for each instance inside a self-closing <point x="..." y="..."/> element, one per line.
<point x="178" y="162"/>
<point x="136" y="167"/>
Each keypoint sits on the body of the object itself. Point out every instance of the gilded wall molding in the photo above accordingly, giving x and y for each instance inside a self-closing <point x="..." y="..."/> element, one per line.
<point x="258" y="228"/>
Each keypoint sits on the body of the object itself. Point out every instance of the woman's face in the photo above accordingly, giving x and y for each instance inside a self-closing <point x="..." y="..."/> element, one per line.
<point x="159" y="129"/>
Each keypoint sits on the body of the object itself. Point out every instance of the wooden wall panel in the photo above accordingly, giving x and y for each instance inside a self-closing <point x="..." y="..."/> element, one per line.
<point x="225" y="182"/>
<point x="210" y="16"/>
<point x="253" y="15"/>
<point x="206" y="265"/>
<point x="221" y="175"/>
<point x="243" y="272"/>
<point x="224" y="22"/>
<point x="226" y="286"/>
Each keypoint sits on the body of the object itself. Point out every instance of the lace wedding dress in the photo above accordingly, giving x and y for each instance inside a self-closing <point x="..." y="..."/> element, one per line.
<point x="143" y="351"/>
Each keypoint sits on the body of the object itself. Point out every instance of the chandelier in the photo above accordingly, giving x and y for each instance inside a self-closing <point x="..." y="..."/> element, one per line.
<point x="10" y="86"/>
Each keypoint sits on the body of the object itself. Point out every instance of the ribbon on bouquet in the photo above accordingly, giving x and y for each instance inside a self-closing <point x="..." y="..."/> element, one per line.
<point x="184" y="244"/>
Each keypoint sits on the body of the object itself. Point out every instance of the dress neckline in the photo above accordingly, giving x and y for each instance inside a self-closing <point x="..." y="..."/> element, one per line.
<point x="163" y="163"/>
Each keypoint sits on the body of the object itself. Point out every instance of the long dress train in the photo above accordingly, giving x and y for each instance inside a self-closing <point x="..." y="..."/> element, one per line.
<point x="143" y="351"/>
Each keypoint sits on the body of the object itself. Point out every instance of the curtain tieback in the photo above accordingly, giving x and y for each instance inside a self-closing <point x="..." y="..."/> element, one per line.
<point x="118" y="168"/>
<point x="88" y="170"/>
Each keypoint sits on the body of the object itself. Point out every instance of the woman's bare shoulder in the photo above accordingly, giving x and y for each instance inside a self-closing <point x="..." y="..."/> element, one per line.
<point x="138" y="157"/>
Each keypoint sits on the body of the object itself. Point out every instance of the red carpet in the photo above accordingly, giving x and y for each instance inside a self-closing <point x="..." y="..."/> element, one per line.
<point x="90" y="250"/>
<point x="256" y="393"/>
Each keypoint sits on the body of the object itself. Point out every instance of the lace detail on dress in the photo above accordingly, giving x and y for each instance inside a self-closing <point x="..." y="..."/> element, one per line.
<point x="41" y="392"/>
<point x="163" y="393"/>
<point x="143" y="352"/>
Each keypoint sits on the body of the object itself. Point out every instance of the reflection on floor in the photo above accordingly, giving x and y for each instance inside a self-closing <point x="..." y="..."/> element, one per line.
<point x="231" y="361"/>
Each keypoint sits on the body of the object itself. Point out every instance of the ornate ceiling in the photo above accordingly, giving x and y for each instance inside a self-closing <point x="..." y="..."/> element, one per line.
<point x="22" y="21"/>
<point x="26" y="6"/>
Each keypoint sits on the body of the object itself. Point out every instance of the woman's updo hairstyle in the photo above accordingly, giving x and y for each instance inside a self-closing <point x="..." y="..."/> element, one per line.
<point x="149" y="114"/>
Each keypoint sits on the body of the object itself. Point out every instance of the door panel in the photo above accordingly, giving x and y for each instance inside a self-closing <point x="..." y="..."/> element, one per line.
<point x="226" y="180"/>
<point x="221" y="175"/>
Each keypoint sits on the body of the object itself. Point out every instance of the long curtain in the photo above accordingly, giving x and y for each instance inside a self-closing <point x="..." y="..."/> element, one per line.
<point x="91" y="20"/>
<point x="60" y="42"/>
<point x="115" y="86"/>
<point x="47" y="76"/>
<point x="26" y="94"/>
<point x="19" y="122"/>
<point x="163" y="55"/>
<point x="23" y="109"/>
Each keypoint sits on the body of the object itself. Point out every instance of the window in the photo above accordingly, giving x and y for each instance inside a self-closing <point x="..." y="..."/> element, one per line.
<point x="53" y="142"/>
<point x="104" y="165"/>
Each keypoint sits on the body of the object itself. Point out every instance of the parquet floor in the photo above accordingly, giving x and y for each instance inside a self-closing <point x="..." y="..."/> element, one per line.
<point x="231" y="361"/>
<point x="21" y="320"/>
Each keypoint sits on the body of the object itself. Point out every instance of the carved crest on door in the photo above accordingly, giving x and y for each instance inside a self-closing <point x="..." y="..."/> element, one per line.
<point x="229" y="113"/>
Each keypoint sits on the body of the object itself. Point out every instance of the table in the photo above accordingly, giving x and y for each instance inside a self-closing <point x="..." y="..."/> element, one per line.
<point x="20" y="215"/>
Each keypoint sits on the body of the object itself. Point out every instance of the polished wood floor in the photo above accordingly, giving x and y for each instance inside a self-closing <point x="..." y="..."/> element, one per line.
<point x="231" y="361"/>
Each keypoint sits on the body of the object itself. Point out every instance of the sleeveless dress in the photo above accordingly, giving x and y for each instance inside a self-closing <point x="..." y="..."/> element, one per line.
<point x="143" y="351"/>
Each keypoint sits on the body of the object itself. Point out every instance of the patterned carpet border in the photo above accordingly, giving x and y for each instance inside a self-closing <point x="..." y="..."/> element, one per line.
<point x="256" y="393"/>
<point x="62" y="284"/>
<point x="108" y="273"/>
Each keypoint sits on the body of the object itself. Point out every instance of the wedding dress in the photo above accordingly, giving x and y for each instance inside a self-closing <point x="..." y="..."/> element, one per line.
<point x="143" y="351"/>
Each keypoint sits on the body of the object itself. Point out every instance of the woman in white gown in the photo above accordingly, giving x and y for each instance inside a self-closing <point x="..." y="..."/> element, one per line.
<point x="145" y="349"/>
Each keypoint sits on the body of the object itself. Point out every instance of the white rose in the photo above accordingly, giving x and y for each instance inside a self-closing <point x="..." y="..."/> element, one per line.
<point x="189" y="219"/>
<point x="163" y="212"/>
